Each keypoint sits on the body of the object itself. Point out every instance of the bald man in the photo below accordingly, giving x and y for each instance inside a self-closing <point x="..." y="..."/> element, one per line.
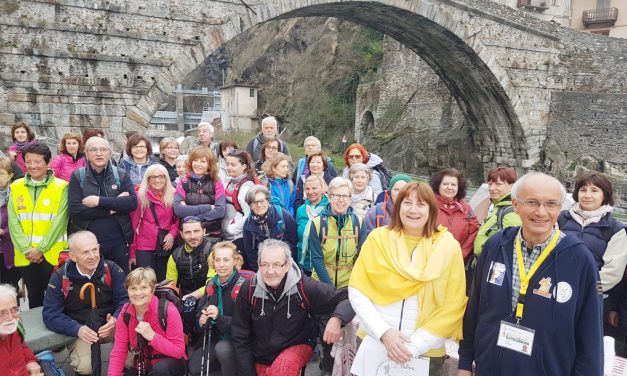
<point x="101" y="197"/>
<point x="534" y="308"/>
<point x="65" y="313"/>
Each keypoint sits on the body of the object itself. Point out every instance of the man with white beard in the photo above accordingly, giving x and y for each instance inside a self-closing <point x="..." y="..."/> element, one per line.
<point x="17" y="358"/>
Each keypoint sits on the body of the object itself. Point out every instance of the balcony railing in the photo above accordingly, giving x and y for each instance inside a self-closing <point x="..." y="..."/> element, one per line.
<point x="600" y="16"/>
<point x="533" y="4"/>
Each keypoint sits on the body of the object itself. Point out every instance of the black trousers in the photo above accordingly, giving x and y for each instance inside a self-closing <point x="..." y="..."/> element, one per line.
<point x="36" y="278"/>
<point x="151" y="260"/>
<point x="164" y="367"/>
<point x="117" y="254"/>
<point x="10" y="276"/>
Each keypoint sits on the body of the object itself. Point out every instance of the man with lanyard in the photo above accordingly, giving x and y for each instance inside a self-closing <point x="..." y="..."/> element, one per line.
<point x="534" y="308"/>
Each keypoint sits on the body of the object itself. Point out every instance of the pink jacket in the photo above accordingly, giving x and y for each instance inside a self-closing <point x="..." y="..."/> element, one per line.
<point x="19" y="158"/>
<point x="146" y="232"/>
<point x="170" y="343"/>
<point x="63" y="165"/>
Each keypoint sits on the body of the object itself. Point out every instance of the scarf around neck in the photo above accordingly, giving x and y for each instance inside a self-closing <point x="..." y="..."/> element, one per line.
<point x="586" y="217"/>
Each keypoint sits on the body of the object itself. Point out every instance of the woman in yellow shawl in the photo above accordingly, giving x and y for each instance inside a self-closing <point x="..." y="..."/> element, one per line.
<point x="408" y="289"/>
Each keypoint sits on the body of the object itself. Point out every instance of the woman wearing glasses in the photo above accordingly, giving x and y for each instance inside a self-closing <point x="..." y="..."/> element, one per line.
<point x="266" y="221"/>
<point x="154" y="222"/>
<point x="168" y="152"/>
<point x="240" y="178"/>
<point x="139" y="151"/>
<point x="408" y="287"/>
<point x="356" y="153"/>
<point x="269" y="150"/>
<point x="201" y="194"/>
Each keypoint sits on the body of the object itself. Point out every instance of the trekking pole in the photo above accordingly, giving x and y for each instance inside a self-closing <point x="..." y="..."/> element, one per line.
<point x="206" y="346"/>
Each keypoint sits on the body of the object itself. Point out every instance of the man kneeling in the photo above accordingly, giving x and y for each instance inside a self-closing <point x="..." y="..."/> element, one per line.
<point x="273" y="327"/>
<point x="65" y="313"/>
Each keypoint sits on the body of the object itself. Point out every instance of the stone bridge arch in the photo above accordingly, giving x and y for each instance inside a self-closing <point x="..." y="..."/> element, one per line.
<point x="443" y="33"/>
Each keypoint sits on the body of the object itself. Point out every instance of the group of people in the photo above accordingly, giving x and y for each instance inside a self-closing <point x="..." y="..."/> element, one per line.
<point x="275" y="260"/>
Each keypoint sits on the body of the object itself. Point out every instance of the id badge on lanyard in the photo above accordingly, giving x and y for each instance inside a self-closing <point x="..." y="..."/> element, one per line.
<point x="514" y="336"/>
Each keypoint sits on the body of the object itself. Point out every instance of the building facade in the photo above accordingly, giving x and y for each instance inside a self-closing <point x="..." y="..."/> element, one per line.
<point x="604" y="17"/>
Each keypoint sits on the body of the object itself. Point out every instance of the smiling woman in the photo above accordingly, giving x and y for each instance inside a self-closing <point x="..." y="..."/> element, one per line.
<point x="413" y="256"/>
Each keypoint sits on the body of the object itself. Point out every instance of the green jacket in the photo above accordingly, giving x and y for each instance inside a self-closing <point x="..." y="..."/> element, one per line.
<point x="489" y="226"/>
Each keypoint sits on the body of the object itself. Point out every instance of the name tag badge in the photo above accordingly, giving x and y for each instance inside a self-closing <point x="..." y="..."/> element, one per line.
<point x="516" y="337"/>
<point x="497" y="273"/>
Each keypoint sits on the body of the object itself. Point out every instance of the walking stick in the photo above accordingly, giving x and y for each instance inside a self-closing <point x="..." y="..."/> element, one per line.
<point x="206" y="346"/>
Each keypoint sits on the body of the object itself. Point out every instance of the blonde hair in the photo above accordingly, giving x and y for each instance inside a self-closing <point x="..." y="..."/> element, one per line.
<point x="164" y="143"/>
<point x="269" y="165"/>
<point x="238" y="260"/>
<point x="140" y="275"/>
<point x="319" y="179"/>
<point x="168" y="193"/>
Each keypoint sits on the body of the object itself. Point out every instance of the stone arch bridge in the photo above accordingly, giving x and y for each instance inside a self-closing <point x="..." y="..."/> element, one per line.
<point x="112" y="64"/>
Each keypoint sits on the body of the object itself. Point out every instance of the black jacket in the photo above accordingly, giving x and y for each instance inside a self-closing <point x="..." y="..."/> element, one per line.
<point x="99" y="219"/>
<point x="288" y="317"/>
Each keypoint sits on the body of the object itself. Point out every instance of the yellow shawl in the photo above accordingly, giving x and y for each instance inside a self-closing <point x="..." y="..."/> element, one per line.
<point x="385" y="274"/>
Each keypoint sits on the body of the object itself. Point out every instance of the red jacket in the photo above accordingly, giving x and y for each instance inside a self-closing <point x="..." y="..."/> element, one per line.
<point x="170" y="343"/>
<point x="63" y="165"/>
<point x="15" y="356"/>
<point x="458" y="218"/>
<point x="146" y="233"/>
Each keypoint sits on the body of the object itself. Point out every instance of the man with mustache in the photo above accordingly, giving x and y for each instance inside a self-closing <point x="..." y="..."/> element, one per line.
<point x="17" y="358"/>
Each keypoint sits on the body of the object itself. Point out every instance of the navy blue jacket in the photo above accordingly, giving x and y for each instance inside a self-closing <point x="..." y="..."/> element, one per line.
<point x="568" y="334"/>
<point x="66" y="316"/>
<point x="254" y="234"/>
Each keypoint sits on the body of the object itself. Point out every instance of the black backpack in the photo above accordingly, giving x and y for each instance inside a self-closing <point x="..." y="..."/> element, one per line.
<point x="384" y="175"/>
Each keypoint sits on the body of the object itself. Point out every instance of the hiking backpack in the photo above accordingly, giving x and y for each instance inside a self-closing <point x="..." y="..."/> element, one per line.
<point x="322" y="233"/>
<point x="114" y="170"/>
<point x="244" y="275"/>
<point x="384" y="175"/>
<point x="235" y="194"/>
<point x="66" y="283"/>
<point x="501" y="212"/>
<point x="302" y="301"/>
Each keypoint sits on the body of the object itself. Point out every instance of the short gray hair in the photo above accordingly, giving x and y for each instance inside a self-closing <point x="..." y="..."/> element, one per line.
<point x="357" y="167"/>
<point x="340" y="182"/>
<point x="204" y="124"/>
<point x="309" y="139"/>
<point x="8" y="290"/>
<point x="80" y="234"/>
<point x="518" y="184"/>
<point x="274" y="243"/>
<point x="271" y="120"/>
<point x="252" y="192"/>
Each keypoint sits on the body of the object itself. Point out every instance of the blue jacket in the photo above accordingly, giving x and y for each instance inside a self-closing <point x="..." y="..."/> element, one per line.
<point x="283" y="192"/>
<point x="302" y="221"/>
<point x="254" y="234"/>
<point x="568" y="335"/>
<point x="66" y="316"/>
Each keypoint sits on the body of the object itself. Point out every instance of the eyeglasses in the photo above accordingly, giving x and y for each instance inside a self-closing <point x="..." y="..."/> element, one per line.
<point x="548" y="205"/>
<point x="171" y="148"/>
<point x="260" y="202"/>
<point x="155" y="177"/>
<point x="341" y="197"/>
<point x="271" y="147"/>
<point x="7" y="313"/>
<point x="275" y="266"/>
<point x="138" y="147"/>
<point x="355" y="156"/>
<point x="96" y="150"/>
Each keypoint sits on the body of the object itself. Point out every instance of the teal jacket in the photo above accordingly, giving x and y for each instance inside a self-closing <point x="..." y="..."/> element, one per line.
<point x="302" y="221"/>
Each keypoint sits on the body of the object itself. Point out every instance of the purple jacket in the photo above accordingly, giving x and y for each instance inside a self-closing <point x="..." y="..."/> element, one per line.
<point x="146" y="234"/>
<point x="7" y="245"/>
<point x="63" y="165"/>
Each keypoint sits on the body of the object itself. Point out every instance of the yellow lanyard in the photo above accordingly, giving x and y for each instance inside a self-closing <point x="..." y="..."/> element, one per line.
<point x="524" y="277"/>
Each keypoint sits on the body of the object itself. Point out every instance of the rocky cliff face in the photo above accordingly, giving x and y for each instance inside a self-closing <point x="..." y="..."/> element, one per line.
<point x="302" y="66"/>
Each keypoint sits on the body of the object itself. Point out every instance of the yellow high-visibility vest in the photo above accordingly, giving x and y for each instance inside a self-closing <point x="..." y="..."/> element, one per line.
<point x="36" y="217"/>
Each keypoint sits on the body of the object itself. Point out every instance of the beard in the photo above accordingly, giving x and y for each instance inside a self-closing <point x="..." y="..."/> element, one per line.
<point x="8" y="327"/>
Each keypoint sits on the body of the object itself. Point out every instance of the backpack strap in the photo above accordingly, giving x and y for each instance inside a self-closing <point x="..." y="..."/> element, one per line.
<point x="106" y="278"/>
<point x="65" y="281"/>
<point x="154" y="213"/>
<point x="116" y="174"/>
<point x="280" y="225"/>
<point x="238" y="285"/>
<point x="303" y="296"/>
<point x="235" y="196"/>
<point x="81" y="177"/>
<point x="500" y="215"/>
<point x="209" y="288"/>
<point x="162" y="313"/>
<point x="322" y="231"/>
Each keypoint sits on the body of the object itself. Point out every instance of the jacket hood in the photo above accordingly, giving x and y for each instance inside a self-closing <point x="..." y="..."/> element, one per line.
<point x="373" y="160"/>
<point x="290" y="288"/>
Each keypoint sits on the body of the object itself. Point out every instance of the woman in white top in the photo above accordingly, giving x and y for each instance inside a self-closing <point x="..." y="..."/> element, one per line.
<point x="408" y="289"/>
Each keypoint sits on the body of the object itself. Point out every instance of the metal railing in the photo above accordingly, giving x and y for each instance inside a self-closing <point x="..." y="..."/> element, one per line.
<point x="533" y="4"/>
<point x="600" y="16"/>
